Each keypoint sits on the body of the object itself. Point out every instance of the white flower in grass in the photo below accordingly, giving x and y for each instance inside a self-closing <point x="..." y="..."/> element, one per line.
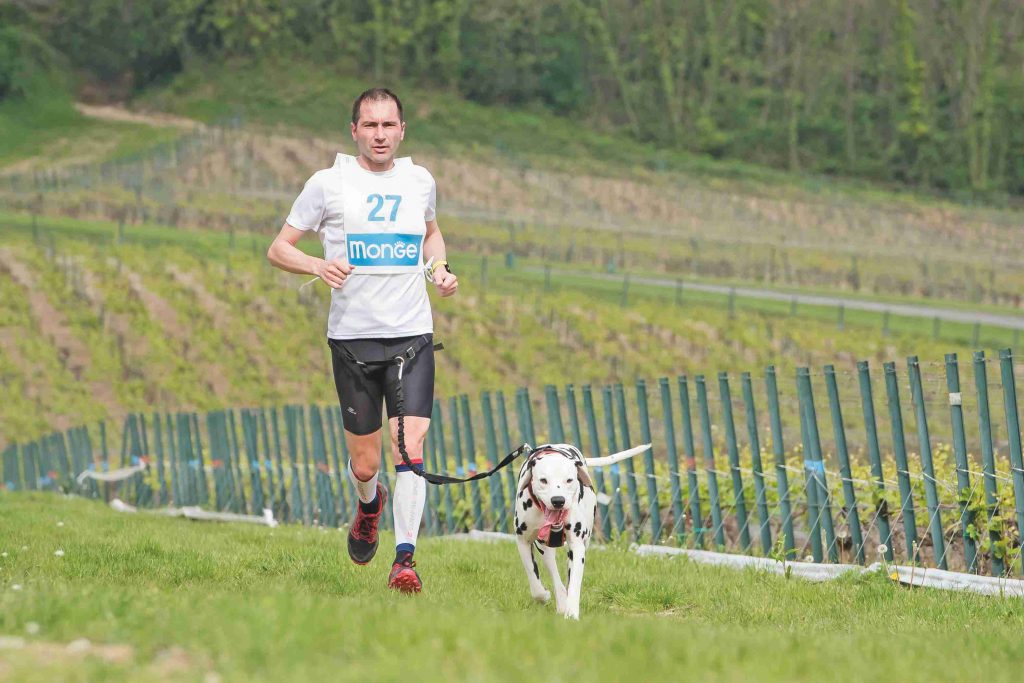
<point x="58" y="553"/>
<point x="883" y="549"/>
<point x="60" y="523"/>
<point x="16" y="587"/>
<point x="31" y="628"/>
<point x="3" y="554"/>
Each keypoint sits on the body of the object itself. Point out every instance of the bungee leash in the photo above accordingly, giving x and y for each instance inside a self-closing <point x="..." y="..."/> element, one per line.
<point x="400" y="360"/>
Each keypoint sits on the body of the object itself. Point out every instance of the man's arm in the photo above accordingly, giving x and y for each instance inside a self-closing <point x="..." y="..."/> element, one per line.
<point x="285" y="255"/>
<point x="433" y="248"/>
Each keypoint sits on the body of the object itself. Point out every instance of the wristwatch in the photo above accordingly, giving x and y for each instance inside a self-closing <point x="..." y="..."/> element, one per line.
<point x="438" y="264"/>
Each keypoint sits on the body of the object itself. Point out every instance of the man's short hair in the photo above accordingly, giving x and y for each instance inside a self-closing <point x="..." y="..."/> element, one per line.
<point x="376" y="95"/>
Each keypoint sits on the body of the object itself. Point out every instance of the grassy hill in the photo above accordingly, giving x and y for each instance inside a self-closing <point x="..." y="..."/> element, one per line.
<point x="172" y="600"/>
<point x="182" y="319"/>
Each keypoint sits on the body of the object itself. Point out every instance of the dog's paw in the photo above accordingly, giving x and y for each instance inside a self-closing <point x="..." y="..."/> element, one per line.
<point x="572" y="614"/>
<point x="542" y="597"/>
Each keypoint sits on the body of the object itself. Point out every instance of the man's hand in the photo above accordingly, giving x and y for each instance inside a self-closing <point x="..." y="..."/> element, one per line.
<point x="445" y="282"/>
<point x="334" y="273"/>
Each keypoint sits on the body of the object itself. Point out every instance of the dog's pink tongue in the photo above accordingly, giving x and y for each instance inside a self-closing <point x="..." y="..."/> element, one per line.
<point x="551" y="518"/>
<point x="555" y="516"/>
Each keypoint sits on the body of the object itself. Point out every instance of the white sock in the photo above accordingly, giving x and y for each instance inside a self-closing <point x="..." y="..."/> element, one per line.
<point x="407" y="506"/>
<point x="366" y="490"/>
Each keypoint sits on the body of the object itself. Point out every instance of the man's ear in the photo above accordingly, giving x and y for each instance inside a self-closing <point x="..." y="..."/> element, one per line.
<point x="583" y="475"/>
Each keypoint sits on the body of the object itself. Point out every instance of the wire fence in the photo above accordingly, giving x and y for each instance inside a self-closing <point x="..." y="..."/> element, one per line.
<point x="722" y="474"/>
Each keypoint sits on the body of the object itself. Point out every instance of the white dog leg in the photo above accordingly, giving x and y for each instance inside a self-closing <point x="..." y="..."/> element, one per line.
<point x="548" y="556"/>
<point x="577" y="560"/>
<point x="537" y="590"/>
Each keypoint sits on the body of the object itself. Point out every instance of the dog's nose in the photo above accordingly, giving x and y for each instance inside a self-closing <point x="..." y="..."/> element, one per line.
<point x="558" y="501"/>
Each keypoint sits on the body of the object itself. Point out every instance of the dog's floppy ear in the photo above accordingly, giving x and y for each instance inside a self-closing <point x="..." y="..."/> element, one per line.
<point x="526" y="475"/>
<point x="583" y="475"/>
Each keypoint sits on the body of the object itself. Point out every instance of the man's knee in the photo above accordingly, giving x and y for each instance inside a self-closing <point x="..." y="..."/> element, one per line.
<point x="364" y="468"/>
<point x="364" y="454"/>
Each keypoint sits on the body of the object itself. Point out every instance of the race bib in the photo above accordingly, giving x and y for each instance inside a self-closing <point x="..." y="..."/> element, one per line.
<point x="393" y="251"/>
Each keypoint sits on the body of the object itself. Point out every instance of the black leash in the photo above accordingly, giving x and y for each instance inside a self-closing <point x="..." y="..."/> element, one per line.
<point x="400" y="360"/>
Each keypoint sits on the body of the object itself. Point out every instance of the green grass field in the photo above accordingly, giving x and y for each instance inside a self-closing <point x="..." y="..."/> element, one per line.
<point x="166" y="599"/>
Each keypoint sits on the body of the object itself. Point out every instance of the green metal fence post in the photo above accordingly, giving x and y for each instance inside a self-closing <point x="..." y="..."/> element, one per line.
<point x="675" y="490"/>
<point x="161" y="471"/>
<point x="779" y="454"/>
<point x="214" y="423"/>
<point x="760" y="494"/>
<point x="204" y="490"/>
<point x="104" y="457"/>
<point x="900" y="451"/>
<point x="732" y="448"/>
<point x="692" y="484"/>
<point x="963" y="476"/>
<point x="811" y="486"/>
<point x="849" y="495"/>
<point x="609" y="423"/>
<point x="595" y="447"/>
<point x="498" y="506"/>
<point x="236" y="461"/>
<point x="187" y="460"/>
<point x="988" y="460"/>
<point x="460" y="465"/>
<point x="449" y="506"/>
<point x="335" y="433"/>
<point x="173" y="461"/>
<point x="574" y="419"/>
<point x="511" y="476"/>
<point x="824" y="493"/>
<point x="474" y="486"/>
<point x="1013" y="432"/>
<point x="928" y="469"/>
<point x="268" y="463"/>
<point x="631" y="478"/>
<point x="250" y="430"/>
<point x="434" y="513"/>
<point x="654" y="510"/>
<point x="307" y="466"/>
<point x="528" y="412"/>
<point x="556" y="433"/>
<point x="12" y="473"/>
<point x="709" y="461"/>
<point x="325" y="497"/>
<point x="871" y="436"/>
<point x="29" y="466"/>
<point x="284" y="509"/>
<point x="296" y="505"/>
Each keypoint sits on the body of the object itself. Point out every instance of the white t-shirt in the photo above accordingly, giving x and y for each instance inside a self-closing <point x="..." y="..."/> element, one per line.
<point x="376" y="222"/>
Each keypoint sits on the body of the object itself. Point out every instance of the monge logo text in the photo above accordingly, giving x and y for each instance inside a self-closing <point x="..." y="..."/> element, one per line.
<point x="384" y="249"/>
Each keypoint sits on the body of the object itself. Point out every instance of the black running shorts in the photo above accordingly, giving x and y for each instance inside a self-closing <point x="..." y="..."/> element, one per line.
<point x="363" y="390"/>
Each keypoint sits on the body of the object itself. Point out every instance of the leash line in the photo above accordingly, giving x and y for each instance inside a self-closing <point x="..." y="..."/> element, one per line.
<point x="400" y="360"/>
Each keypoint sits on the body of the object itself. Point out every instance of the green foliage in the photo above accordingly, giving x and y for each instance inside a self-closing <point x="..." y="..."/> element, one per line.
<point x="896" y="92"/>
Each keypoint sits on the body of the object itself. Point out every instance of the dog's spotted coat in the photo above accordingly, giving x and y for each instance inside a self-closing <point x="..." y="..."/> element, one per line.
<point x="549" y="474"/>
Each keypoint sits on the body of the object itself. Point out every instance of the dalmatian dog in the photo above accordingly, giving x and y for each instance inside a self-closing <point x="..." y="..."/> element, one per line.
<point x="556" y="506"/>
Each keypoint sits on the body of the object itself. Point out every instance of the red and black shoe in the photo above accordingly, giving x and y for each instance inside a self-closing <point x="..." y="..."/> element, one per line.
<point x="362" y="536"/>
<point x="404" y="577"/>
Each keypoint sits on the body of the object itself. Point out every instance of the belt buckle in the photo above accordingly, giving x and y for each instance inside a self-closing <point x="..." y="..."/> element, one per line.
<point x="410" y="353"/>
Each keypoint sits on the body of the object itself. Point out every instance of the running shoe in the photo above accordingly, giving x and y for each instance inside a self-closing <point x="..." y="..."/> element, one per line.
<point x="404" y="577"/>
<point x="362" y="536"/>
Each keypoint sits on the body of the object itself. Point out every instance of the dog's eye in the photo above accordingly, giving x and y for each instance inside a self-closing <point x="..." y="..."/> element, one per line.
<point x="543" y="480"/>
<point x="568" y="481"/>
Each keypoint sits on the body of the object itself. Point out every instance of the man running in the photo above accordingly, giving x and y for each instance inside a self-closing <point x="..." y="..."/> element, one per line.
<point x="376" y="218"/>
